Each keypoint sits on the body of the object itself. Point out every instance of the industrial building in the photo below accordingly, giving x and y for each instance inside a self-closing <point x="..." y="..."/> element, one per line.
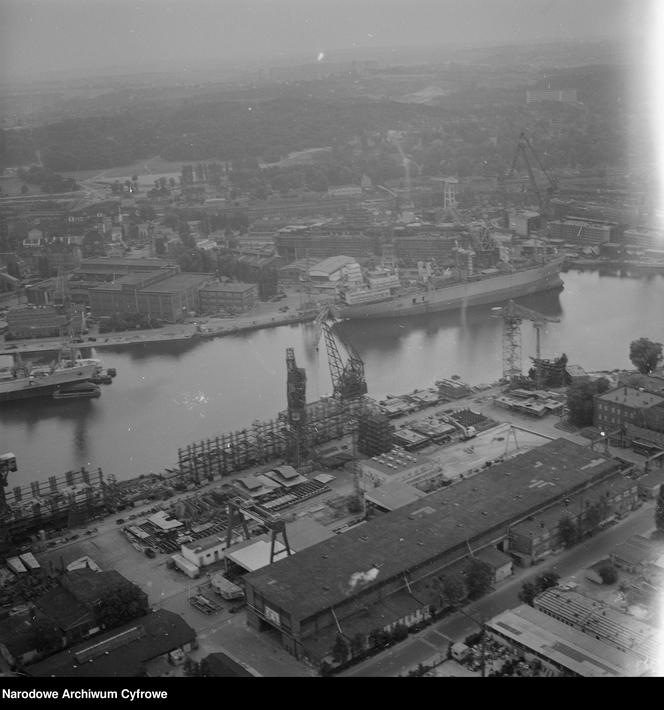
<point x="312" y="595"/>
<point x="587" y="232"/>
<point x="539" y="535"/>
<point x="397" y="465"/>
<point x="235" y="297"/>
<point x="109" y="268"/>
<point x="158" y="294"/>
<point x="124" y="652"/>
<point x="299" y="245"/>
<point x="602" y="622"/>
<point x="615" y="409"/>
<point x="330" y="269"/>
<point x="45" y="322"/>
<point x="644" y="238"/>
<point x="561" y="648"/>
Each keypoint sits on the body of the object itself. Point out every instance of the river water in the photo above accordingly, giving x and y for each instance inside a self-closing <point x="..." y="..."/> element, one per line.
<point x="167" y="395"/>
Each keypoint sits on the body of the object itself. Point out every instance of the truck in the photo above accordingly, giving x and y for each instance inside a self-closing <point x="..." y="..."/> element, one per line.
<point x="190" y="569"/>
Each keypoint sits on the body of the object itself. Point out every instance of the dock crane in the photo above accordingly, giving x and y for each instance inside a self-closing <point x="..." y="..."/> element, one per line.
<point x="348" y="380"/>
<point x="513" y="315"/>
<point x="524" y="148"/>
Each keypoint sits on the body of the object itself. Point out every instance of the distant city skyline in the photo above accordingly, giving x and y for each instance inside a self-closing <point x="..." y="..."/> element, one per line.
<point x="42" y="36"/>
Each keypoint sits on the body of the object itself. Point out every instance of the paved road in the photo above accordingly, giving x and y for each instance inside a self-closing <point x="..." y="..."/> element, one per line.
<point x="428" y="645"/>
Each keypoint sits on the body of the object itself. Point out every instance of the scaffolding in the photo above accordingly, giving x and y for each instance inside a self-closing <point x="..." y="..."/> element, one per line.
<point x="233" y="452"/>
<point x="70" y="500"/>
<point x="375" y="434"/>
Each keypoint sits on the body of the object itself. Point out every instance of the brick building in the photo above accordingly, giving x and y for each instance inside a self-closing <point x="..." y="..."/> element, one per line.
<point x="44" y="322"/>
<point x="157" y="294"/>
<point x="235" y="297"/>
<point x="625" y="406"/>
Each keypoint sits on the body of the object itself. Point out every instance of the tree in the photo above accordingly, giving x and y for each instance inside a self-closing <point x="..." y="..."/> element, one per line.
<point x="546" y="580"/>
<point x="191" y="668"/>
<point x="479" y="578"/>
<point x="608" y="573"/>
<point x="528" y="593"/>
<point x="340" y="650"/>
<point x="357" y="645"/>
<point x="645" y="355"/>
<point x="659" y="510"/>
<point x="452" y="589"/>
<point x="379" y="638"/>
<point x="568" y="531"/>
<point x="120" y="604"/>
<point x="580" y="400"/>
<point x="48" y="638"/>
<point x="399" y="632"/>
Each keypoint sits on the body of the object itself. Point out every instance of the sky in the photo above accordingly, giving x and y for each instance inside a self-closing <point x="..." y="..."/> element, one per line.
<point x="39" y="36"/>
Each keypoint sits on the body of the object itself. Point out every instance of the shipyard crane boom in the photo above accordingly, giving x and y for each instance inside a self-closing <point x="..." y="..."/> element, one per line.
<point x="523" y="149"/>
<point x="348" y="379"/>
<point x="513" y="315"/>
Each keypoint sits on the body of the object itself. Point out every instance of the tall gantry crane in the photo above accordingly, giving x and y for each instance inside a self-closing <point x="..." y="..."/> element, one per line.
<point x="348" y="381"/>
<point x="524" y="148"/>
<point x="296" y="396"/>
<point x="513" y="315"/>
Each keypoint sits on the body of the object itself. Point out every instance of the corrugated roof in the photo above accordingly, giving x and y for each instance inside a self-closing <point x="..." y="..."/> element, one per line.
<point x="320" y="576"/>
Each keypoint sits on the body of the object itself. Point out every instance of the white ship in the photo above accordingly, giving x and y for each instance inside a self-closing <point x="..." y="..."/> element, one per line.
<point x="484" y="287"/>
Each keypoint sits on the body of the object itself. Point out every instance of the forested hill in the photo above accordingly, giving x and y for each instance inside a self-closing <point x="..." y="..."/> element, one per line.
<point x="202" y="129"/>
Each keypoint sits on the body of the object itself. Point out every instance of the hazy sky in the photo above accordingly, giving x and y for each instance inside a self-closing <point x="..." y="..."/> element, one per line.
<point x="43" y="35"/>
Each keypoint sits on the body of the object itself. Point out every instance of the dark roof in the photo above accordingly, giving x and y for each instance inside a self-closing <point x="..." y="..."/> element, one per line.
<point x="89" y="586"/>
<point x="229" y="287"/>
<point x="220" y="665"/>
<point x="177" y="283"/>
<point x="493" y="557"/>
<point x="151" y="636"/>
<point x="335" y="570"/>
<point x="64" y="608"/>
<point x="18" y="632"/>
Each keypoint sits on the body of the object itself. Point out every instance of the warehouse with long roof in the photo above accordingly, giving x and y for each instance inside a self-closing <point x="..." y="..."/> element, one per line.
<point x="330" y="587"/>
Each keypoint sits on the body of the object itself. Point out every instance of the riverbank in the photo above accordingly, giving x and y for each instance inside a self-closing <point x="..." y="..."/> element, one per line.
<point x="202" y="328"/>
<point x="642" y="267"/>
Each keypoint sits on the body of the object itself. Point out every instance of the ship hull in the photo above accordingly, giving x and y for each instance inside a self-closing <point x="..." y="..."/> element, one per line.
<point x="493" y="289"/>
<point x="44" y="387"/>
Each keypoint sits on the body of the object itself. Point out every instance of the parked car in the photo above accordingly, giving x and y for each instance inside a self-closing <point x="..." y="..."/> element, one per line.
<point x="119" y="521"/>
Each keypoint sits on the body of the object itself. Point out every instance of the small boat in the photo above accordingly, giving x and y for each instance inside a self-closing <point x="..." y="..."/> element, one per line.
<point x="82" y="390"/>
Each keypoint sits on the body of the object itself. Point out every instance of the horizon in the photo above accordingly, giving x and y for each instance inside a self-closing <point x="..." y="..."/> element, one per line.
<point x="47" y="39"/>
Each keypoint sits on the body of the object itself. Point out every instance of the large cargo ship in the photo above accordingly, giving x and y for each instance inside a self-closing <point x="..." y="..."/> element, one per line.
<point x="485" y="287"/>
<point x="41" y="382"/>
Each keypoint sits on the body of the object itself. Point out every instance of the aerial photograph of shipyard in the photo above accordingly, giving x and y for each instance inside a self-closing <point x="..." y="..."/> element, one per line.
<point x="331" y="340"/>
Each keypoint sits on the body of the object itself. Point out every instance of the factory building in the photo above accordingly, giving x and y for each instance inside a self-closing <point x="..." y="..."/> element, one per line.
<point x="587" y="232"/>
<point x="599" y="620"/>
<point x="235" y="297"/>
<point x="44" y="322"/>
<point x="371" y="575"/>
<point x="156" y="294"/>
<point x="561" y="648"/>
<point x="623" y="406"/>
